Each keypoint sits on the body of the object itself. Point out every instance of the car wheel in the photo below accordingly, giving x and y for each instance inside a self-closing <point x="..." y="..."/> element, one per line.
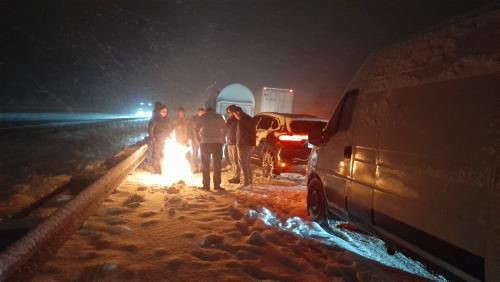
<point x="316" y="204"/>
<point x="268" y="164"/>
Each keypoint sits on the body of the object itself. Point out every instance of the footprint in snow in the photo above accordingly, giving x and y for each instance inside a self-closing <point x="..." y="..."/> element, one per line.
<point x="150" y="223"/>
<point x="173" y="190"/>
<point x="130" y="248"/>
<point x="160" y="252"/>
<point x="147" y="214"/>
<point x="210" y="255"/>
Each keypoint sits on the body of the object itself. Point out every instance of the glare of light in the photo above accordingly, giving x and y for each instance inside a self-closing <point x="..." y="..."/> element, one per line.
<point x="342" y="167"/>
<point x="286" y="137"/>
<point x="175" y="167"/>
<point x="142" y="103"/>
<point x="150" y="104"/>
<point x="143" y="113"/>
<point x="291" y="90"/>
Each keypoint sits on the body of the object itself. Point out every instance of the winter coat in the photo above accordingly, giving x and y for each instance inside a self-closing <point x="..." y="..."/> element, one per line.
<point x="192" y="123"/>
<point x="150" y="124"/>
<point x="181" y="130"/>
<point x="211" y="128"/>
<point x="232" y="126"/>
<point x="246" y="134"/>
<point x="161" y="128"/>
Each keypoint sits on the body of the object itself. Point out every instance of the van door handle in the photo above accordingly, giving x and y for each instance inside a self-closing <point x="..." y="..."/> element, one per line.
<point x="347" y="152"/>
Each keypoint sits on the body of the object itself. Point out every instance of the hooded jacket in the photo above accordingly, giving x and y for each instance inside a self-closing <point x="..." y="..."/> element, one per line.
<point x="161" y="127"/>
<point x="245" y="131"/>
<point x="211" y="128"/>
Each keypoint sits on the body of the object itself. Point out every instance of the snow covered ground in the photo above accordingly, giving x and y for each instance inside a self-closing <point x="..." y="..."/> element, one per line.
<point x="31" y="165"/>
<point x="178" y="233"/>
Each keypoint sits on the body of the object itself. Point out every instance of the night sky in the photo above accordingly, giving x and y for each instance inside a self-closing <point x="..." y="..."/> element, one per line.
<point x="109" y="55"/>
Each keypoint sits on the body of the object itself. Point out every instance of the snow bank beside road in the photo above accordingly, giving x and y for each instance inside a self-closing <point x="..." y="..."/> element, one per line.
<point x="28" y="163"/>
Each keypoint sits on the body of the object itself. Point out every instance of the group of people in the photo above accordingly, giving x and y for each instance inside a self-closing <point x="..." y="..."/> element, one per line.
<point x="160" y="127"/>
<point x="207" y="132"/>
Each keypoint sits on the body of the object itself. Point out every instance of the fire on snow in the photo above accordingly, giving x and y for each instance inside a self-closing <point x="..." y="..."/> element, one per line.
<point x="175" y="166"/>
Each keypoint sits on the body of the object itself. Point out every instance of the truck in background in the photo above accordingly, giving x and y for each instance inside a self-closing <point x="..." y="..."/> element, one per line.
<point x="276" y="100"/>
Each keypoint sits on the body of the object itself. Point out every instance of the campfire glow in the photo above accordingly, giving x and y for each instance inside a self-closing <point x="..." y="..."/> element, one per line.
<point x="175" y="166"/>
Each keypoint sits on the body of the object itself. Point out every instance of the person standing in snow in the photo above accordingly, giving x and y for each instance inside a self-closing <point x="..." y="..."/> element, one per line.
<point x="195" y="141"/>
<point x="154" y="113"/>
<point x="160" y="131"/>
<point x="245" y="143"/>
<point x="211" y="129"/>
<point x="181" y="127"/>
<point x="232" y="124"/>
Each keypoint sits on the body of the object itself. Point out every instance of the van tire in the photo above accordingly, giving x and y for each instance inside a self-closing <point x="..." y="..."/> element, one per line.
<point x="316" y="204"/>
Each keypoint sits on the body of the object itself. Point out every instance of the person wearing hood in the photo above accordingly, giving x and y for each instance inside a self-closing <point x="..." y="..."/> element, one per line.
<point x="245" y="144"/>
<point x="154" y="113"/>
<point x="232" y="125"/>
<point x="160" y="131"/>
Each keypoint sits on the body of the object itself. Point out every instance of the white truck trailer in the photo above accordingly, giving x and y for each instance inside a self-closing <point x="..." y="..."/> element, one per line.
<point x="276" y="100"/>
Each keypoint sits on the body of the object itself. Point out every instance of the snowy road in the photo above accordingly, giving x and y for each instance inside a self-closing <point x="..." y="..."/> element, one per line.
<point x="13" y="121"/>
<point x="151" y="232"/>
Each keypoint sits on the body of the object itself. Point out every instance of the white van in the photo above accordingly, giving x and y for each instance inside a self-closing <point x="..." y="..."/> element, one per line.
<point x="412" y="151"/>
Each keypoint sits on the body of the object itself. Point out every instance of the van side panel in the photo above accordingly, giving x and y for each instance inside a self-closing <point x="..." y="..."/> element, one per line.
<point x="364" y="161"/>
<point x="436" y="165"/>
<point x="493" y="240"/>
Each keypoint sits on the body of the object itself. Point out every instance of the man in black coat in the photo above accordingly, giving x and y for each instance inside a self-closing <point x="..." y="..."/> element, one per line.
<point x="232" y="150"/>
<point x="160" y="130"/>
<point x="245" y="143"/>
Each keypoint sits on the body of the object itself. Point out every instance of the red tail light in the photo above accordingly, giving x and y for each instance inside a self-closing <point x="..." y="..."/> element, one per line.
<point x="293" y="138"/>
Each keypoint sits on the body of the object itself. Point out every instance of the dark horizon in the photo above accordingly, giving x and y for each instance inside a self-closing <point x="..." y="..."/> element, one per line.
<point x="110" y="56"/>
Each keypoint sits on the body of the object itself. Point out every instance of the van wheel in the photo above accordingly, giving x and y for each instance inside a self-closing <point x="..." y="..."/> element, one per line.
<point x="316" y="204"/>
<point x="268" y="164"/>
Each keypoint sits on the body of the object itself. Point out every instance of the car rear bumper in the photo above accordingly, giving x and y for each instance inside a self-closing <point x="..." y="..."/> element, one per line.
<point x="295" y="165"/>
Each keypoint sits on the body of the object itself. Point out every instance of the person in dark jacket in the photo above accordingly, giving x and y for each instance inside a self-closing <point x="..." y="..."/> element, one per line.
<point x="232" y="124"/>
<point x="195" y="142"/>
<point x="154" y="113"/>
<point x="181" y="127"/>
<point x="160" y="131"/>
<point x="211" y="130"/>
<point x="245" y="143"/>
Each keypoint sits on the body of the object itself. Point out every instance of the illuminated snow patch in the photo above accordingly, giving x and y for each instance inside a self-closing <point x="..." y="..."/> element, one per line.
<point x="175" y="167"/>
<point x="367" y="246"/>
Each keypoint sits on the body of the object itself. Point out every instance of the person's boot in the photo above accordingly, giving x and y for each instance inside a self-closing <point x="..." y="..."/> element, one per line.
<point x="219" y="189"/>
<point x="246" y="185"/>
<point x="234" y="180"/>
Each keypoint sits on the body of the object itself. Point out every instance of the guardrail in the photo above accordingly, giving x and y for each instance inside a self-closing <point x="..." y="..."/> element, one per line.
<point x="20" y="260"/>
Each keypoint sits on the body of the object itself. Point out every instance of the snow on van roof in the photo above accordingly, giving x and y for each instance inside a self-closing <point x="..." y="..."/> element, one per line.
<point x="236" y="93"/>
<point x="464" y="47"/>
